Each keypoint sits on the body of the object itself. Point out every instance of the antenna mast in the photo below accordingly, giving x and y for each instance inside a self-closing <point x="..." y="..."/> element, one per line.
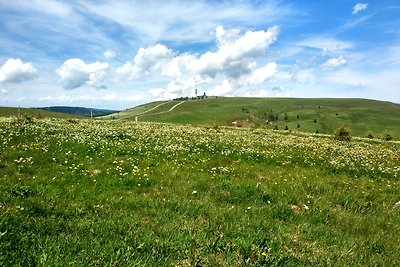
<point x="195" y="89"/>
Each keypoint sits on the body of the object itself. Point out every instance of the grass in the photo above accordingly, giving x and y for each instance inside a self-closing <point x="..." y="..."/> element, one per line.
<point x="90" y="193"/>
<point x="130" y="114"/>
<point x="361" y="116"/>
<point x="37" y="113"/>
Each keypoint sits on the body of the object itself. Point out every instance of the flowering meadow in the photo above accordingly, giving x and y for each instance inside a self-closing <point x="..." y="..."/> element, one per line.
<point x="114" y="193"/>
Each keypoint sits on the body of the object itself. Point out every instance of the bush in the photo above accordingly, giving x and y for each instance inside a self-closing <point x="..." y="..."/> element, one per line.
<point x="387" y="137"/>
<point x="343" y="134"/>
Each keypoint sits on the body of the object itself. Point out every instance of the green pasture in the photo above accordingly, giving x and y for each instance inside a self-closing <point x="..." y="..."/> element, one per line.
<point x="123" y="193"/>
<point x="31" y="112"/>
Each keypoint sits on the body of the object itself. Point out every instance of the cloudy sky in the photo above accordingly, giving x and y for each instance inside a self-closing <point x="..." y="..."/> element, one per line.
<point x="121" y="53"/>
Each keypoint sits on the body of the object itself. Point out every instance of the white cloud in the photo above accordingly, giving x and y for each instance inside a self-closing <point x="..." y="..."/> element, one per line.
<point x="174" y="89"/>
<point x="109" y="97"/>
<point x="224" y="37"/>
<point x="147" y="61"/>
<point x="183" y="21"/>
<point x="359" y="7"/>
<point x="3" y="91"/>
<point x="326" y="44"/>
<point x="262" y="74"/>
<point x="109" y="54"/>
<point x="49" y="7"/>
<point x="179" y="67"/>
<point x="260" y="93"/>
<point x="235" y="53"/>
<point x="157" y="93"/>
<point x="303" y="76"/>
<point x="223" y="89"/>
<point x="383" y="85"/>
<point x="233" y="61"/>
<point x="333" y="63"/>
<point x="76" y="73"/>
<point x="133" y="98"/>
<point x="16" y="71"/>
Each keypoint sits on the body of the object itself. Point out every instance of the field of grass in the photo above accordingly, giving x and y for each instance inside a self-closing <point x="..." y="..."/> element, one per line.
<point x="361" y="116"/>
<point x="115" y="193"/>
<point x="31" y="112"/>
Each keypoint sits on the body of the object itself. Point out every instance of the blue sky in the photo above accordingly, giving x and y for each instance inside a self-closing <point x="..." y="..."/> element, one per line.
<point x="118" y="54"/>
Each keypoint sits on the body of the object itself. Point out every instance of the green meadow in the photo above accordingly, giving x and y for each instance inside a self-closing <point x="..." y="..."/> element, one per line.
<point x="126" y="193"/>
<point x="363" y="117"/>
<point x="29" y="113"/>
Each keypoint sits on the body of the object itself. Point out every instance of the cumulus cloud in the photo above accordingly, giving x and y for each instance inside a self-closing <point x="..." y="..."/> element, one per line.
<point x="359" y="7"/>
<point x="76" y="73"/>
<point x="263" y="74"/>
<point x="235" y="53"/>
<point x="333" y="63"/>
<point x="109" y="54"/>
<point x="223" y="89"/>
<point x="3" y="91"/>
<point x="233" y="62"/>
<point x="147" y="61"/>
<point x="16" y="71"/>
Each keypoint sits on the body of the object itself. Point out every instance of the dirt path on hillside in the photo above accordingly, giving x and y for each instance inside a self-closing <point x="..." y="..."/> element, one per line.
<point x="162" y="112"/>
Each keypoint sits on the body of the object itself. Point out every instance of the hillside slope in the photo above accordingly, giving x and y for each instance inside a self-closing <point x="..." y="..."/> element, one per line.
<point x="322" y="115"/>
<point x="32" y="112"/>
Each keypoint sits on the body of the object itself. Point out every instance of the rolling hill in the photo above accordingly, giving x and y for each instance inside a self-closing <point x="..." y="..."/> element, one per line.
<point x="321" y="115"/>
<point x="33" y="112"/>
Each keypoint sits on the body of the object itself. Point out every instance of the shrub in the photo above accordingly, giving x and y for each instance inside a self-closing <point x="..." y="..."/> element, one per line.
<point x="370" y="135"/>
<point x="343" y="134"/>
<point x="387" y="137"/>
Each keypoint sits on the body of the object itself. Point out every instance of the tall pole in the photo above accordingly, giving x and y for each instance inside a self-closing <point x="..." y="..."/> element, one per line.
<point x="19" y="112"/>
<point x="195" y="90"/>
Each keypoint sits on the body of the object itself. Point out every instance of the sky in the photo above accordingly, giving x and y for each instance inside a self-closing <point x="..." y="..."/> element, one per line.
<point x="117" y="54"/>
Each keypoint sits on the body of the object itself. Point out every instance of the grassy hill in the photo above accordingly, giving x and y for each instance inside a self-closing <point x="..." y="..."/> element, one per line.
<point x="33" y="112"/>
<point x="361" y="116"/>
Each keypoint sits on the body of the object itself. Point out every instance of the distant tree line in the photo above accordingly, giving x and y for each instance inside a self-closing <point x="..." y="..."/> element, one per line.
<point x="183" y="98"/>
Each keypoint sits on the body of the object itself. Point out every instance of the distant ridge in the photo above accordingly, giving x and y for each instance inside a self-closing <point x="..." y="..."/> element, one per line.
<point x="82" y="111"/>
